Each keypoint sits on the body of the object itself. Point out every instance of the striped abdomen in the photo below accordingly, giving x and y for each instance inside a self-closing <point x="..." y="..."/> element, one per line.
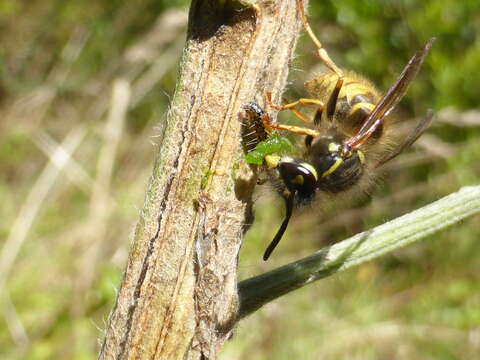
<point x="356" y="99"/>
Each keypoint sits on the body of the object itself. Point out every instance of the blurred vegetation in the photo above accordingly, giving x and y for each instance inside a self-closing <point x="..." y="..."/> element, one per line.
<point x="59" y="271"/>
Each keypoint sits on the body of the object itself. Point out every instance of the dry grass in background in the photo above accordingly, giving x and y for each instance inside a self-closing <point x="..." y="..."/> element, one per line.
<point x="83" y="92"/>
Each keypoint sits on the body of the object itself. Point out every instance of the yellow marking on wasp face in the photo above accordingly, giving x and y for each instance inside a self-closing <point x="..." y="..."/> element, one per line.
<point x="361" y="156"/>
<point x="272" y="161"/>
<point x="332" y="168"/>
<point x="310" y="168"/>
<point x="333" y="147"/>
<point x="298" y="180"/>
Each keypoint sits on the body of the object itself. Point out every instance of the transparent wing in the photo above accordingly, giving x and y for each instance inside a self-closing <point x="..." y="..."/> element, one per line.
<point x="421" y="127"/>
<point x="390" y="99"/>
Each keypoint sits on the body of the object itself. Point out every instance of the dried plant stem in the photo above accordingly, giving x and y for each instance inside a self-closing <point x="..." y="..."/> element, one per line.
<point x="178" y="298"/>
<point x="258" y="291"/>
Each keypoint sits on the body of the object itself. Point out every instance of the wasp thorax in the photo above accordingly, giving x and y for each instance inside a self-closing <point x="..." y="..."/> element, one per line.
<point x="338" y="168"/>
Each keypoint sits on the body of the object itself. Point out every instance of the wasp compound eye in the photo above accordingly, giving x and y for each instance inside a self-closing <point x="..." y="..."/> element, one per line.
<point x="299" y="177"/>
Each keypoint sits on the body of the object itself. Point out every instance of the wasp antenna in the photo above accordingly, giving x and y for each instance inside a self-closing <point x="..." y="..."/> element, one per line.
<point x="289" y="210"/>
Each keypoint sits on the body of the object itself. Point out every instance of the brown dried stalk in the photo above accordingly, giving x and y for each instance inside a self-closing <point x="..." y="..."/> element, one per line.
<point x="178" y="298"/>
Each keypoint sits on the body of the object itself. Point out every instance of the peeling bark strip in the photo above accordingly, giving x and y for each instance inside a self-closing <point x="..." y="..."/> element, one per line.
<point x="178" y="298"/>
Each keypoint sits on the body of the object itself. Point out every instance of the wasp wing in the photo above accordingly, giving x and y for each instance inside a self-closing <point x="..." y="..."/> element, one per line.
<point x="390" y="99"/>
<point x="421" y="127"/>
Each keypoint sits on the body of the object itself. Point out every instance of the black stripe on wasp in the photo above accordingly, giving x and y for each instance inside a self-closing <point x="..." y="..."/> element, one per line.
<point x="351" y="135"/>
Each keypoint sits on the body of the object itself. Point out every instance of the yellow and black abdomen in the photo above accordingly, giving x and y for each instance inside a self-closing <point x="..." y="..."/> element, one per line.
<point x="356" y="99"/>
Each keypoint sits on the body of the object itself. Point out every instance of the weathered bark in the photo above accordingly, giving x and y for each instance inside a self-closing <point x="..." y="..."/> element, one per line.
<point x="178" y="298"/>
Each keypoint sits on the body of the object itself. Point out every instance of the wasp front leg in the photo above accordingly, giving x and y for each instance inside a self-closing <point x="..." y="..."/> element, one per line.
<point x="293" y="129"/>
<point x="269" y="125"/>
<point x="292" y="106"/>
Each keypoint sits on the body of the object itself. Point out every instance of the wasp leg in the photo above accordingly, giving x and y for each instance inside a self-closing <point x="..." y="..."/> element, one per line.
<point x="292" y="106"/>
<point x="321" y="52"/>
<point x="268" y="124"/>
<point x="332" y="101"/>
<point x="300" y="115"/>
<point x="318" y="116"/>
<point x="293" y="129"/>
<point x="308" y="141"/>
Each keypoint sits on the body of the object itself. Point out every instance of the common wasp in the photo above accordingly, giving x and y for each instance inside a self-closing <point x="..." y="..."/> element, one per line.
<point x="352" y="133"/>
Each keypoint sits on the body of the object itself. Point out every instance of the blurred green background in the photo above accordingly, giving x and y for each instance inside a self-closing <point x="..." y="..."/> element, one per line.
<point x="65" y="224"/>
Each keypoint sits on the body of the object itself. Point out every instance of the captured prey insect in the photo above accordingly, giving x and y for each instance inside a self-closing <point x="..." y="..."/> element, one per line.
<point x="352" y="134"/>
<point x="257" y="141"/>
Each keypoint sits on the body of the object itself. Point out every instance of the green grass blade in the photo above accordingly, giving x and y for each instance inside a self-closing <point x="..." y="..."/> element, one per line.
<point x="257" y="291"/>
